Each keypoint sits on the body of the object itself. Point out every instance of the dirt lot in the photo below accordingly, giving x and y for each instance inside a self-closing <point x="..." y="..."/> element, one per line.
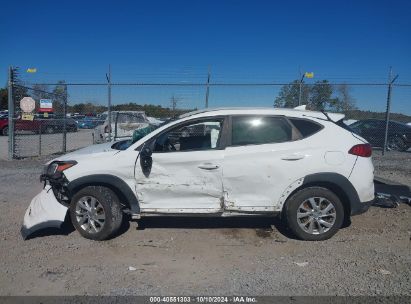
<point x="200" y="256"/>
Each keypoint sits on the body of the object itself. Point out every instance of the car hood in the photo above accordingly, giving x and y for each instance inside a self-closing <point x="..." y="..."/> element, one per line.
<point x="90" y="151"/>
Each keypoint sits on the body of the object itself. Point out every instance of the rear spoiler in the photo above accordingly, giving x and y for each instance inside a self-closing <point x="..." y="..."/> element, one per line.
<point x="329" y="116"/>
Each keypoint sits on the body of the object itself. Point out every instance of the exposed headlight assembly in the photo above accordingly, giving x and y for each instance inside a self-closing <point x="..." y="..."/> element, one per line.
<point x="55" y="169"/>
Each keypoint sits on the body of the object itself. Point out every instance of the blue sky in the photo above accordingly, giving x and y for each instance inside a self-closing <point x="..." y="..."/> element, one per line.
<point x="242" y="41"/>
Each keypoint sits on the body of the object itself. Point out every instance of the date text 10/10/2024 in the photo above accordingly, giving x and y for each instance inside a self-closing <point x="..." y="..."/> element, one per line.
<point x="203" y="299"/>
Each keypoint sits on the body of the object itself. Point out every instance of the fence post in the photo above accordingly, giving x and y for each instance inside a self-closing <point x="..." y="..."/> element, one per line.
<point x="387" y="113"/>
<point x="300" y="88"/>
<point x="108" y="76"/>
<point x="208" y="87"/>
<point x="10" y="114"/>
<point x="65" y="119"/>
<point x="115" y="128"/>
<point x="40" y="140"/>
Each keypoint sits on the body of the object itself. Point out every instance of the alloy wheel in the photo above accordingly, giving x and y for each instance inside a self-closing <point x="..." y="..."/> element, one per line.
<point x="395" y="143"/>
<point x="316" y="215"/>
<point x="90" y="214"/>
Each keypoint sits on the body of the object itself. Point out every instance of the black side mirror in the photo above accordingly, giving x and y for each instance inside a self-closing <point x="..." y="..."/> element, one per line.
<point x="146" y="160"/>
<point x="146" y="152"/>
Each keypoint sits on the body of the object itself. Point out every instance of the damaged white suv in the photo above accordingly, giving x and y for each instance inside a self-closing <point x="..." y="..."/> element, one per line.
<point x="306" y="166"/>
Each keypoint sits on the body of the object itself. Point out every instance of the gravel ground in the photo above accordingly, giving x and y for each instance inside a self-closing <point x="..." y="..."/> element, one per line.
<point x="201" y="256"/>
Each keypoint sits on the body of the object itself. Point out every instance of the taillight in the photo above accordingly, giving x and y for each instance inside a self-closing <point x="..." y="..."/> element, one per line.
<point x="363" y="150"/>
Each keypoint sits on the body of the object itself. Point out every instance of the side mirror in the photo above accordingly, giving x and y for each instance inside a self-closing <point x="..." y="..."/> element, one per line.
<point x="146" y="160"/>
<point x="146" y="152"/>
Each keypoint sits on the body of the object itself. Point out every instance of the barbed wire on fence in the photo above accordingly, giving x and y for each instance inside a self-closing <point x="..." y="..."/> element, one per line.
<point x="51" y="134"/>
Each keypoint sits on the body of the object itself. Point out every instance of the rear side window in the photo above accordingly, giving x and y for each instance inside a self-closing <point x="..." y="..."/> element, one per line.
<point x="305" y="127"/>
<point x="255" y="130"/>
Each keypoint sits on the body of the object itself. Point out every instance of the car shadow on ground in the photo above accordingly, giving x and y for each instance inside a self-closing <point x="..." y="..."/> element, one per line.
<point x="65" y="229"/>
<point x="262" y="225"/>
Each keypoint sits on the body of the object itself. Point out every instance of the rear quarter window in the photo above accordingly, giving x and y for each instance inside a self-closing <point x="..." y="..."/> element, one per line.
<point x="255" y="130"/>
<point x="306" y="127"/>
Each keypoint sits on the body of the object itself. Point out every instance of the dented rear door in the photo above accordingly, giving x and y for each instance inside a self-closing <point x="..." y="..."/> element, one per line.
<point x="261" y="161"/>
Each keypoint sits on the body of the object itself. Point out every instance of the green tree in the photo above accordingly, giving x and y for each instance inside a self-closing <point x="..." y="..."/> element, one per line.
<point x="320" y="96"/>
<point x="288" y="96"/>
<point x="59" y="97"/>
<point x="78" y="108"/>
<point x="343" y="102"/>
<point x="39" y="91"/>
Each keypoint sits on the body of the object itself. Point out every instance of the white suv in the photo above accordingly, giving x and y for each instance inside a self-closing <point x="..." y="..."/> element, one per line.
<point x="306" y="166"/>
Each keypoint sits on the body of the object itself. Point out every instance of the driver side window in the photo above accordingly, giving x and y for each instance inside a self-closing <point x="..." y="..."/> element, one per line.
<point x="195" y="136"/>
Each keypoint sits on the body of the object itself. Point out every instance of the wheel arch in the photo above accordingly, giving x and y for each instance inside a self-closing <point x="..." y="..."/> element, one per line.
<point x="114" y="183"/>
<point x="2" y="129"/>
<point x="336" y="183"/>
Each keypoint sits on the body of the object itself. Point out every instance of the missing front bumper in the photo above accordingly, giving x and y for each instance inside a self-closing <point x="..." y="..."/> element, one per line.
<point x="44" y="211"/>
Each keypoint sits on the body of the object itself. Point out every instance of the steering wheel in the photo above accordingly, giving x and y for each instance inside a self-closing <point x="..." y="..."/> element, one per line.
<point x="168" y="146"/>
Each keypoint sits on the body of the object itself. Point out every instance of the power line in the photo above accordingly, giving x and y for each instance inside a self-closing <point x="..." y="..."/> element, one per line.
<point x="193" y="84"/>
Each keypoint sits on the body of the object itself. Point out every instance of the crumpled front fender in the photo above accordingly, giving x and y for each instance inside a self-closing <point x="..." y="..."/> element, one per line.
<point x="44" y="211"/>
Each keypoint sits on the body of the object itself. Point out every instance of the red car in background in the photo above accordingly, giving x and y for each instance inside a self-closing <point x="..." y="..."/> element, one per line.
<point x="4" y="125"/>
<point x="45" y="126"/>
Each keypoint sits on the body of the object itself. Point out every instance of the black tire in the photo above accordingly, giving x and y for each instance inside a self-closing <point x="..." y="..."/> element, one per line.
<point x="5" y="131"/>
<point x="397" y="143"/>
<point x="112" y="212"/>
<point x="292" y="207"/>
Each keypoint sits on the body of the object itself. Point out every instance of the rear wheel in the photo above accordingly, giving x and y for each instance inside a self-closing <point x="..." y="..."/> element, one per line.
<point x="314" y="214"/>
<point x="396" y="143"/>
<point x="5" y="131"/>
<point x="96" y="213"/>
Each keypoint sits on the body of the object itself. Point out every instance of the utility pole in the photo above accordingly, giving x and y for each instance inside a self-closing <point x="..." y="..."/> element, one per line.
<point x="11" y="113"/>
<point x="303" y="75"/>
<point x="108" y="76"/>
<point x="300" y="89"/>
<point x="387" y="113"/>
<point x="65" y="118"/>
<point x="208" y="87"/>
<point x="173" y="102"/>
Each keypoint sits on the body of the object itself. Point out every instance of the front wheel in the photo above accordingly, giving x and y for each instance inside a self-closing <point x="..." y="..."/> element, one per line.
<point x="96" y="213"/>
<point x="314" y="214"/>
<point x="5" y="131"/>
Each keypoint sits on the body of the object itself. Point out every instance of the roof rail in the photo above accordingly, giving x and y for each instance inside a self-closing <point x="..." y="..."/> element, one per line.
<point x="219" y="109"/>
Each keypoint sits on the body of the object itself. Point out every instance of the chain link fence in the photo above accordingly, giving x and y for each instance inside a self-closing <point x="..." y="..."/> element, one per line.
<point x="79" y="114"/>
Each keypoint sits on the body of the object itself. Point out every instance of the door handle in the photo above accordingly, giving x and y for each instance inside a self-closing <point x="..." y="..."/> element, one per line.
<point x="208" y="166"/>
<point x="293" y="157"/>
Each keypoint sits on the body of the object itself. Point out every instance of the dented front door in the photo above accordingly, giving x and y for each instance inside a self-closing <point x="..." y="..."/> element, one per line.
<point x="182" y="182"/>
<point x="186" y="170"/>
